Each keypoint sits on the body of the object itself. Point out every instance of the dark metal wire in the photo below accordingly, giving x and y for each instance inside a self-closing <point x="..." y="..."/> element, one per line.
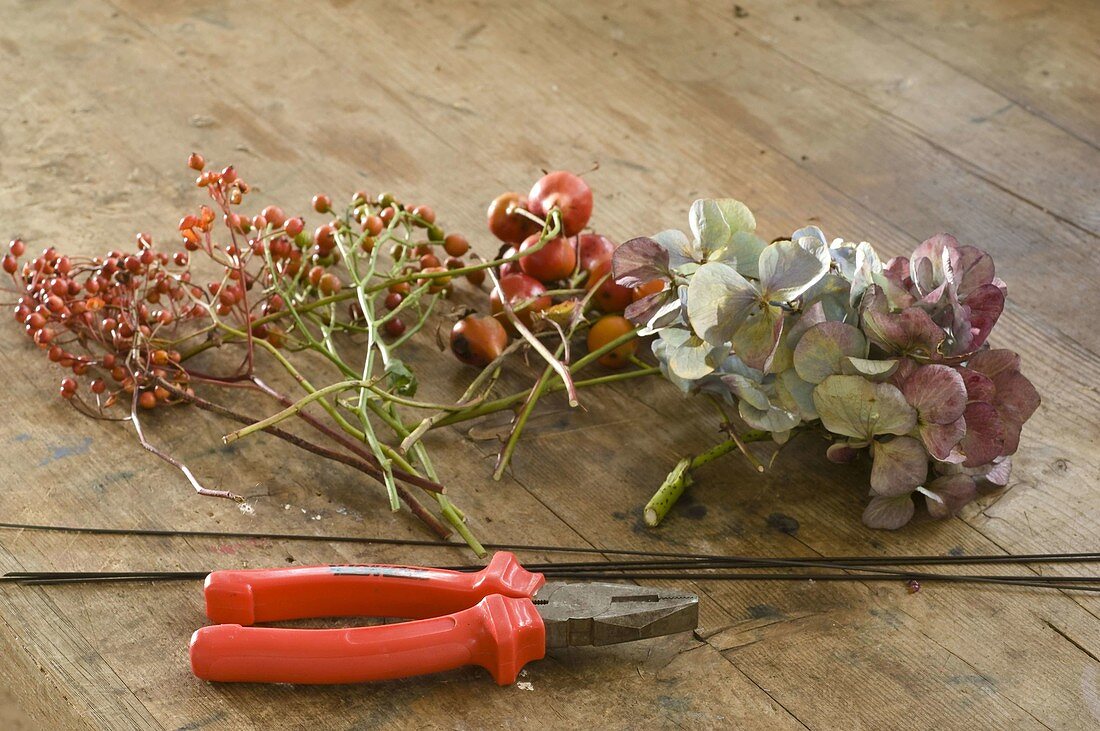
<point x="1020" y="581"/>
<point x="742" y="561"/>
<point x="1068" y="583"/>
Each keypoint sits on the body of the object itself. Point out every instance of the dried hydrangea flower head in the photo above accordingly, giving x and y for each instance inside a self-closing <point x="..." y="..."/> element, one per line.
<point x="887" y="357"/>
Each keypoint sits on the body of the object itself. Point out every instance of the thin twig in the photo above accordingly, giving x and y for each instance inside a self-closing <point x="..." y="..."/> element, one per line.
<point x="199" y="488"/>
<point x="294" y="409"/>
<point x="490" y="373"/>
<point x="342" y="439"/>
<point x="415" y="506"/>
<point x="506" y="306"/>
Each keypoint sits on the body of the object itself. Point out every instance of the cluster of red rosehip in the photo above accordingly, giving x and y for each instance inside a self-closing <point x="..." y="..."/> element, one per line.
<point x="122" y="319"/>
<point x="129" y="324"/>
<point x="90" y="312"/>
<point x="573" y="267"/>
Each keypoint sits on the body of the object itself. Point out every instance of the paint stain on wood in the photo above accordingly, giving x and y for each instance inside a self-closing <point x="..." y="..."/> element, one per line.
<point x="783" y="523"/>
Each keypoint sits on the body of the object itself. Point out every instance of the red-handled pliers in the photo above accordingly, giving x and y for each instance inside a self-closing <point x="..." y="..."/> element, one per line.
<point x="500" y="617"/>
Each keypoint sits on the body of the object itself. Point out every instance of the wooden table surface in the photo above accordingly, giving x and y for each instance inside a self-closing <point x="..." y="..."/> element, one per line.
<point x="876" y="120"/>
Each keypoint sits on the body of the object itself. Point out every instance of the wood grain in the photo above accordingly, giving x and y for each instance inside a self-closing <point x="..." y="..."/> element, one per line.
<point x="839" y="117"/>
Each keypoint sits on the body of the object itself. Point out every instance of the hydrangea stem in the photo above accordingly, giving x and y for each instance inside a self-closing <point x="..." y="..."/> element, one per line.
<point x="680" y="477"/>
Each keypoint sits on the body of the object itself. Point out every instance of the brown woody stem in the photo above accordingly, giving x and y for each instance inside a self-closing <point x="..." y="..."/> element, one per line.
<point x="414" y="505"/>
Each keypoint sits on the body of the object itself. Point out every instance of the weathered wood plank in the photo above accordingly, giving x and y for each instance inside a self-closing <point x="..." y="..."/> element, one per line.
<point x="85" y="690"/>
<point x="906" y="179"/>
<point x="333" y="104"/>
<point x="1038" y="53"/>
<point x="1062" y="382"/>
<point x="955" y="114"/>
<point x="138" y="498"/>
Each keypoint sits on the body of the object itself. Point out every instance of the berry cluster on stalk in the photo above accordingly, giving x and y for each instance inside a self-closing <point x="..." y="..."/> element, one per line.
<point x="132" y="327"/>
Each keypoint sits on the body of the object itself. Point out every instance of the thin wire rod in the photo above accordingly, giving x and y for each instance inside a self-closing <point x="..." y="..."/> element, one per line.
<point x="116" y="578"/>
<point x="1036" y="582"/>
<point x="1086" y="557"/>
<point x="1061" y="583"/>
<point x="597" y="568"/>
<point x="23" y="576"/>
<point x="756" y="562"/>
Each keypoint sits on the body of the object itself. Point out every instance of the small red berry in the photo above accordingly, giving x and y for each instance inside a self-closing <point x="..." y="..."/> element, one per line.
<point x="196" y="162"/>
<point x="393" y="299"/>
<point x="373" y="225"/>
<point x="456" y="244"/>
<point x="294" y="226"/>
<point x="425" y="214"/>
<point x="325" y="238"/>
<point x="476" y="277"/>
<point x="147" y="400"/>
<point x="274" y="215"/>
<point x="322" y="203"/>
<point x="395" y="327"/>
<point x="17" y="247"/>
<point x="329" y="284"/>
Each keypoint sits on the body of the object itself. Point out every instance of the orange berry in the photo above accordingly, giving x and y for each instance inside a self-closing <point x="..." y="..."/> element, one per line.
<point x="607" y="329"/>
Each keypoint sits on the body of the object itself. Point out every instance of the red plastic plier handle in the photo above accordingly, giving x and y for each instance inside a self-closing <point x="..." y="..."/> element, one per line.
<point x="485" y="618"/>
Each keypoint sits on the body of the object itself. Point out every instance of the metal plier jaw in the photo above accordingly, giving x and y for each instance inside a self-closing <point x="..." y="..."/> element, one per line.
<point x="607" y="614"/>
<point x="501" y="618"/>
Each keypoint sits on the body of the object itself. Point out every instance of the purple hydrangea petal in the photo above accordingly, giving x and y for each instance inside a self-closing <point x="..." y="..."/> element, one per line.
<point x="641" y="311"/>
<point x="979" y="387"/>
<point x="1002" y="470"/>
<point x="949" y="494"/>
<point x="889" y="513"/>
<point x="937" y="392"/>
<point x="899" y="466"/>
<point x="941" y="439"/>
<point x="638" y="261"/>
<point x="909" y="332"/>
<point x="841" y="453"/>
<point x="985" y="305"/>
<point x="896" y="283"/>
<point x="994" y="361"/>
<point x="931" y="262"/>
<point x="985" y="434"/>
<point x="973" y="268"/>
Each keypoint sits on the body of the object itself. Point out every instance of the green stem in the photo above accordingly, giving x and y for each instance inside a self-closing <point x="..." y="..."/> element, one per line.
<point x="680" y="478"/>
<point x="504" y="402"/>
<point x="453" y="515"/>
<point x="293" y="409"/>
<point x="668" y="493"/>
<point x="521" y="420"/>
<point x="470" y="398"/>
